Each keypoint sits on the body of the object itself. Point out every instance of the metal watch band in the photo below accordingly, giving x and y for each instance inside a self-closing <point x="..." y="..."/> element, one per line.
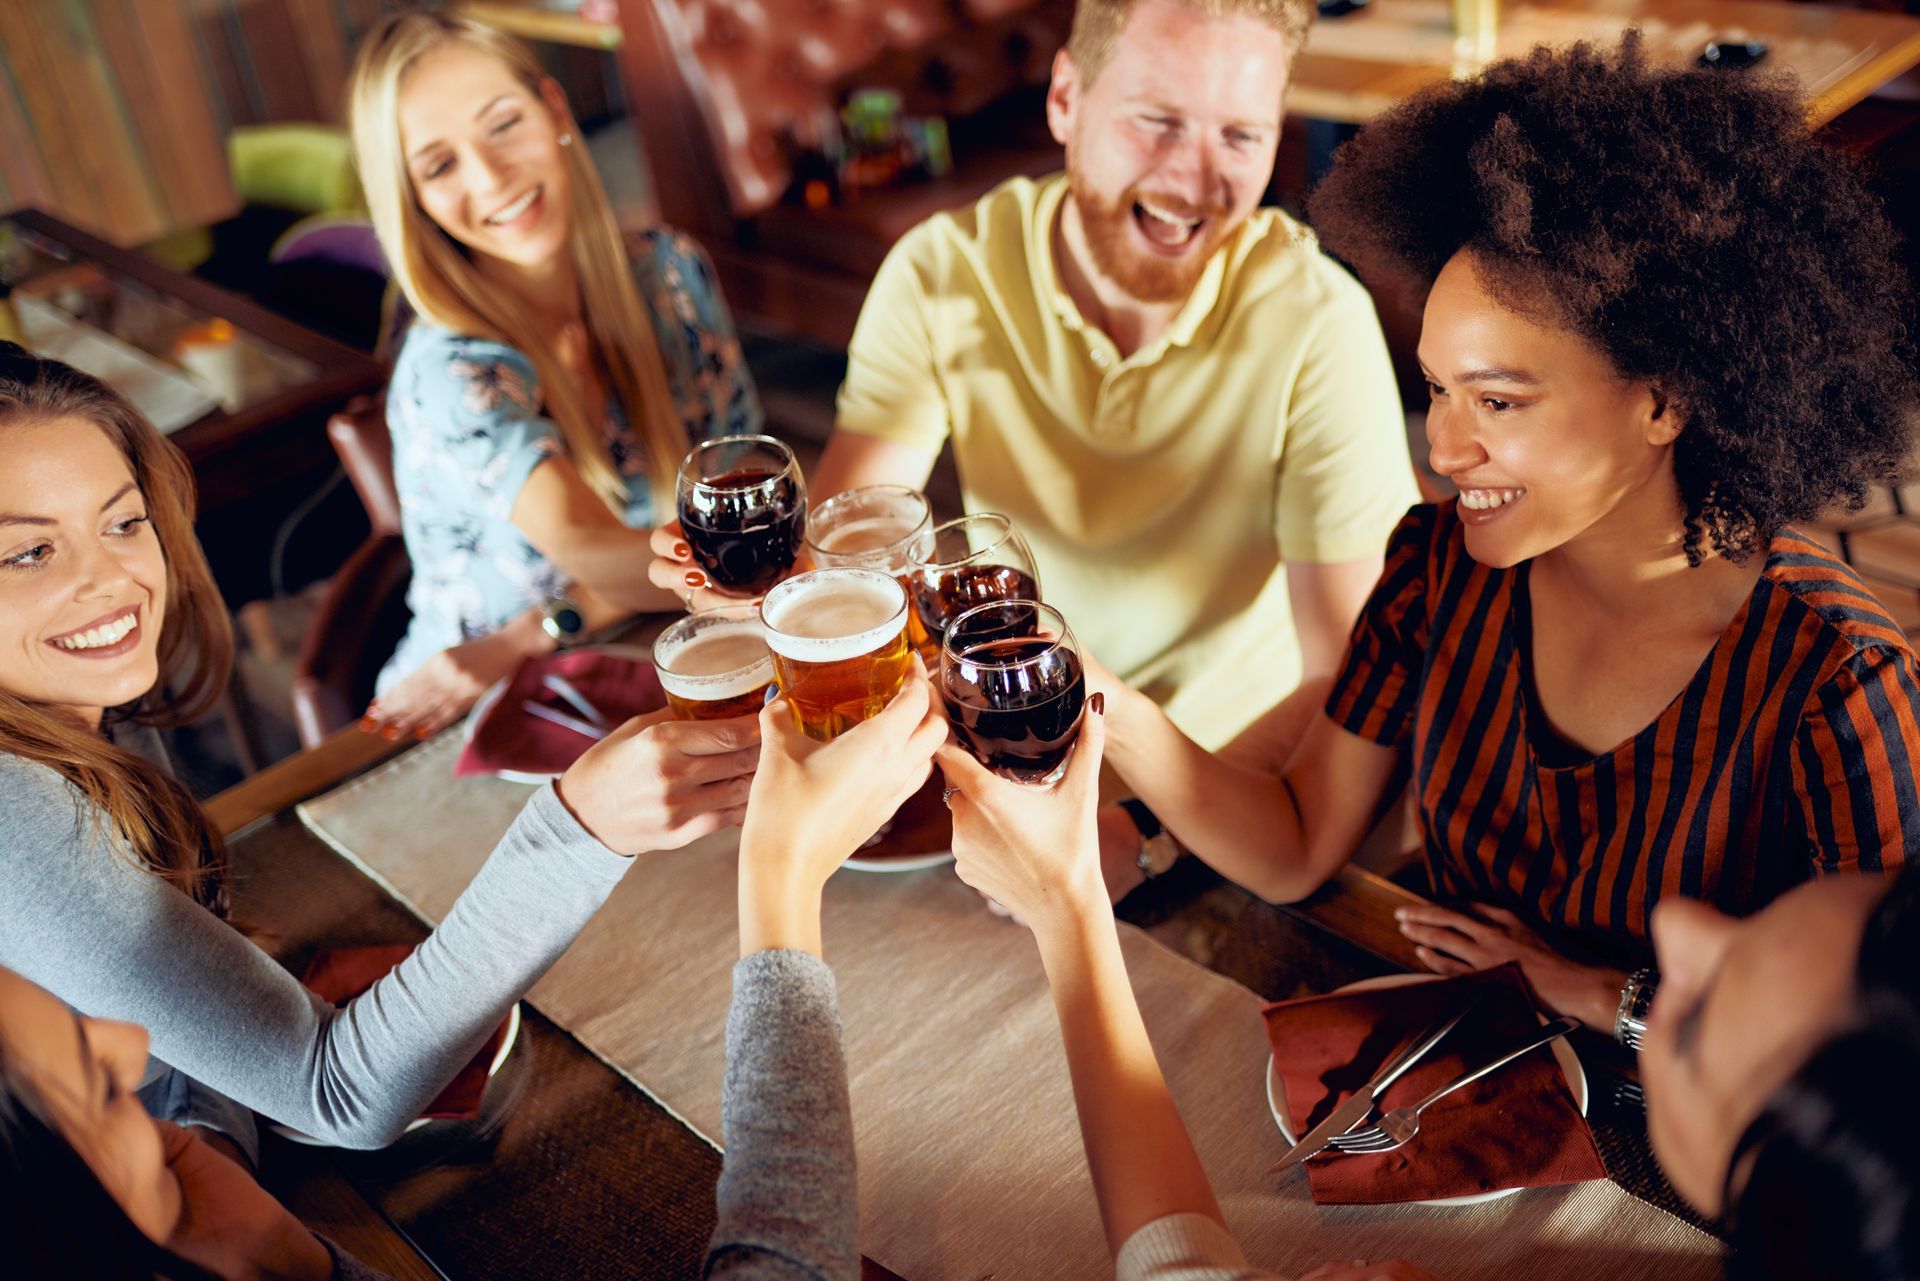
<point x="1636" y="998"/>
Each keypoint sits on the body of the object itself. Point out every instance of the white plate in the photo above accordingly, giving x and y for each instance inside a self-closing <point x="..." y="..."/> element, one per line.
<point x="493" y="1068"/>
<point x="499" y="687"/>
<point x="1562" y="1053"/>
<point x="901" y="862"/>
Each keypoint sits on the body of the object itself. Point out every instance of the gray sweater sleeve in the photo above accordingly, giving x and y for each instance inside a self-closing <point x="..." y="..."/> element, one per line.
<point x="789" y="1208"/>
<point x="80" y="919"/>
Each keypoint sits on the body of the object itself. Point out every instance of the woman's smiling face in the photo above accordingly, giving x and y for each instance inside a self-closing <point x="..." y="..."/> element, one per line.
<point x="83" y="581"/>
<point x="1543" y="437"/>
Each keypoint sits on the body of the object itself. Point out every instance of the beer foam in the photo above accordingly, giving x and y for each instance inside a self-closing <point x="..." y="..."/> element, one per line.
<point x="833" y="614"/>
<point x="720" y="662"/>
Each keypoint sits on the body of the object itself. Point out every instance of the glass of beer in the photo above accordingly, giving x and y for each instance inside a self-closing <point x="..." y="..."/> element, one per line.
<point x="873" y="527"/>
<point x="743" y="510"/>
<point x="715" y="664"/>
<point x="839" y="641"/>
<point x="1015" y="687"/>
<point x="963" y="563"/>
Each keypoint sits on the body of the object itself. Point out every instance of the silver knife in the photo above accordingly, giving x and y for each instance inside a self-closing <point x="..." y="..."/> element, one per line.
<point x="1356" y="1107"/>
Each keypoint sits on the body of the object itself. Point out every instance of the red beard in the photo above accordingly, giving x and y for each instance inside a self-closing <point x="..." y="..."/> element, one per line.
<point x="1147" y="277"/>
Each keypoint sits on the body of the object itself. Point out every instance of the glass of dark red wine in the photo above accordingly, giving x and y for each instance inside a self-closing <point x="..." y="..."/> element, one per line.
<point x="961" y="564"/>
<point x="743" y="511"/>
<point x="1015" y="687"/>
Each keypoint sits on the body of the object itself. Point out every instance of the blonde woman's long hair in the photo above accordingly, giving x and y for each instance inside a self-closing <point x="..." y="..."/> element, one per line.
<point x="440" y="281"/>
<point x="150" y="815"/>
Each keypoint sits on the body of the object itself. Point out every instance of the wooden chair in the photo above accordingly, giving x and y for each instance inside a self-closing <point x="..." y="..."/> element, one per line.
<point x="363" y="615"/>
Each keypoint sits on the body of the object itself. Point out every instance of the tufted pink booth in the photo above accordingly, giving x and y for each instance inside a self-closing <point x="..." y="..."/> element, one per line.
<point x="725" y="91"/>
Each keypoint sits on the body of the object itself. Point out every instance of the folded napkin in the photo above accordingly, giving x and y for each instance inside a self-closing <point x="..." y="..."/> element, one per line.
<point x="1517" y="1127"/>
<point x="509" y="739"/>
<point x="339" y="974"/>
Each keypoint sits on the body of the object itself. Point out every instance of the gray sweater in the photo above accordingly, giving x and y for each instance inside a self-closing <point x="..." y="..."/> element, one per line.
<point x="113" y="941"/>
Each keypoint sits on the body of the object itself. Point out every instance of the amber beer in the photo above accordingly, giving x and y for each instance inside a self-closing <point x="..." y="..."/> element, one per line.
<point x="715" y="664"/>
<point x="839" y="641"/>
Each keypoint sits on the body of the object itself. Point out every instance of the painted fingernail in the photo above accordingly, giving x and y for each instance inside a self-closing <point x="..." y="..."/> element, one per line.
<point x="423" y="733"/>
<point x="370" y="724"/>
<point x="1099" y="704"/>
<point x="696" y="579"/>
<point x="681" y="551"/>
<point x="390" y="732"/>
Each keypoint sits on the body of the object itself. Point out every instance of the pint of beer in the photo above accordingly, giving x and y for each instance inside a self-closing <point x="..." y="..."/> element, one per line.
<point x="715" y="664"/>
<point x="839" y="641"/>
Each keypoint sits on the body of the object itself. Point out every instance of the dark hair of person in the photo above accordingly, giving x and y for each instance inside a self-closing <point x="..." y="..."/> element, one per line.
<point x="150" y="813"/>
<point x="1832" y="1165"/>
<point x="58" y="1222"/>
<point x="1687" y="224"/>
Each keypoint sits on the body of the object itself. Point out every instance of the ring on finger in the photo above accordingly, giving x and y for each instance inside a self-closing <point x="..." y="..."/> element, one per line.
<point x="946" y="796"/>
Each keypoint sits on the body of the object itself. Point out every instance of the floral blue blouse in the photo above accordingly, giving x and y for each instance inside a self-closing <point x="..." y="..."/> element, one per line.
<point x="467" y="432"/>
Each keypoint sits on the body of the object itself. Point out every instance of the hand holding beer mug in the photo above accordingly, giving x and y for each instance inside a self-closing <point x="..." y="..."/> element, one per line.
<point x="743" y="511"/>
<point x="1015" y="688"/>
<point x="963" y="563"/>
<point x="839" y="641"/>
<point x="715" y="664"/>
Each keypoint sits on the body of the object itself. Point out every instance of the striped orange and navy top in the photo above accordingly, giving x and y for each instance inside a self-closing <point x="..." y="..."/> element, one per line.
<point x="1791" y="752"/>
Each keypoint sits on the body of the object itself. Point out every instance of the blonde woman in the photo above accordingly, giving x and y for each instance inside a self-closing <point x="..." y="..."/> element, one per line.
<point x="542" y="401"/>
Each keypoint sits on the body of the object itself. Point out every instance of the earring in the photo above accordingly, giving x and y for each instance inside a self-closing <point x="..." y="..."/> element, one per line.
<point x="566" y="140"/>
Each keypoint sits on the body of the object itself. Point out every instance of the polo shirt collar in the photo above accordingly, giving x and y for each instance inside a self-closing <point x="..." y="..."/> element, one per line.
<point x="1188" y="322"/>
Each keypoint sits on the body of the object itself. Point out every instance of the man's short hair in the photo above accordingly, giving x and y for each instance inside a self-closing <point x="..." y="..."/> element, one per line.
<point x="1097" y="25"/>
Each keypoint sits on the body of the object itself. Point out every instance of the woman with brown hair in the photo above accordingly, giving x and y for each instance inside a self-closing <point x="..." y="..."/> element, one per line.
<point x="110" y="627"/>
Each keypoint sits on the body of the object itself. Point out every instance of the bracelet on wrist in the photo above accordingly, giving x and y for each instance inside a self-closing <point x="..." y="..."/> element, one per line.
<point x="1159" y="851"/>
<point x="1636" y="998"/>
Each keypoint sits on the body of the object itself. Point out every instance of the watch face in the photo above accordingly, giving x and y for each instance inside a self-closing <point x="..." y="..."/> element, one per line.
<point x="564" y="621"/>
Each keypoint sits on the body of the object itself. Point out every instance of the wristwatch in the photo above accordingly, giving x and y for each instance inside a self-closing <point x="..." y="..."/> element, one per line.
<point x="1158" y="850"/>
<point x="562" y="620"/>
<point x="1636" y="998"/>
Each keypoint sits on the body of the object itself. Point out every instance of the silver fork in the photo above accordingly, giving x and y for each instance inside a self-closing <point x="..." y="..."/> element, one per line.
<point x="1401" y="1124"/>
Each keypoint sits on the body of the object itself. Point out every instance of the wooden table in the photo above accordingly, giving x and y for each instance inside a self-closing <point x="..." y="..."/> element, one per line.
<point x="1357" y="66"/>
<point x="253" y="462"/>
<point x="584" y="1175"/>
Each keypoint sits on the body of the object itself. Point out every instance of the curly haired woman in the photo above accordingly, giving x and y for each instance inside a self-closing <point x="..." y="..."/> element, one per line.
<point x="1662" y="325"/>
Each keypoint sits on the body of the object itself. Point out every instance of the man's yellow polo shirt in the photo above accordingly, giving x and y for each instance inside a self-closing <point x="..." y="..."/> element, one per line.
<point x="1162" y="493"/>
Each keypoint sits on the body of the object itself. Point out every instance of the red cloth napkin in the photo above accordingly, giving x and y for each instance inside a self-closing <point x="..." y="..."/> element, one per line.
<point x="509" y="739"/>
<point x="1517" y="1127"/>
<point x="339" y="974"/>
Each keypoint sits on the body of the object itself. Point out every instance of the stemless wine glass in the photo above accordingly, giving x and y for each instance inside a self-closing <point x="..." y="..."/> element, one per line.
<point x="963" y="563"/>
<point x="1015" y="687"/>
<point x="715" y="663"/>
<point x="839" y="641"/>
<point x="743" y="509"/>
